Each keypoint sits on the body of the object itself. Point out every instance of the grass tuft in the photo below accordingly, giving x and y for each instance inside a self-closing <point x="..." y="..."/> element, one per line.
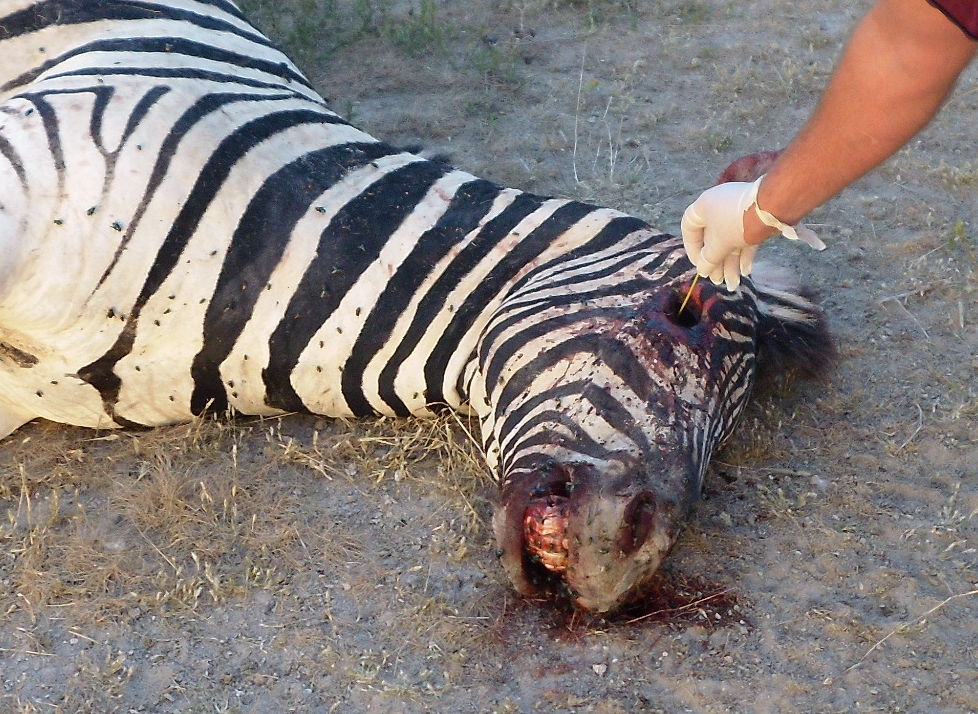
<point x="421" y="33"/>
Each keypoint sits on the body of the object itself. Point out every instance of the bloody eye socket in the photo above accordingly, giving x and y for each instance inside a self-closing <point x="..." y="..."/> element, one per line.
<point x="687" y="315"/>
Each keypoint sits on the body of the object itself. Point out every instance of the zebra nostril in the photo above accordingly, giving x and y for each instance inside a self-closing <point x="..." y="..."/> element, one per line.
<point x="637" y="523"/>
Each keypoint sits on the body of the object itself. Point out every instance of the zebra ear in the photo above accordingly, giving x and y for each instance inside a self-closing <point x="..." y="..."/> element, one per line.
<point x="793" y="337"/>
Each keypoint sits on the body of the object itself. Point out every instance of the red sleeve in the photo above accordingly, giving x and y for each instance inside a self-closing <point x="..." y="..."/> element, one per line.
<point x="963" y="13"/>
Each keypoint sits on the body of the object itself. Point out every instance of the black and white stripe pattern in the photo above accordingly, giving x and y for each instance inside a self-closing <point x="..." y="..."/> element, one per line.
<point x="184" y="225"/>
<point x="229" y="240"/>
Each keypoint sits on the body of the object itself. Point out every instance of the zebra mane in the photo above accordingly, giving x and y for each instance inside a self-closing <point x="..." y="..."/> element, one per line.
<point x="792" y="333"/>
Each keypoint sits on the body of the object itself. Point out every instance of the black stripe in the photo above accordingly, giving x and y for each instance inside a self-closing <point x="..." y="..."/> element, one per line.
<point x="531" y="246"/>
<point x="9" y="153"/>
<point x="579" y="440"/>
<point x="620" y="360"/>
<point x="646" y="256"/>
<point x="560" y="274"/>
<point x="100" y="373"/>
<point x="59" y="12"/>
<point x="75" y="12"/>
<point x="224" y="6"/>
<point x="351" y="242"/>
<point x="211" y="179"/>
<point x="256" y="248"/>
<point x="50" y="119"/>
<point x="557" y="291"/>
<point x="188" y="73"/>
<point x="103" y="96"/>
<point x="502" y="352"/>
<point x="470" y="204"/>
<point x="585" y="393"/>
<point x="202" y="108"/>
<point x="433" y="301"/>
<point x="174" y="46"/>
<point x="610" y="235"/>
<point x="547" y="303"/>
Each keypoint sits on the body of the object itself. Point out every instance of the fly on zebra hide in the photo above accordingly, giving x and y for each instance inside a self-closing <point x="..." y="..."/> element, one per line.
<point x="187" y="226"/>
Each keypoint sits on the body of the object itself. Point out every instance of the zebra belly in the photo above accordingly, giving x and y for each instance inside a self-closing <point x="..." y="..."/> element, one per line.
<point x="33" y="386"/>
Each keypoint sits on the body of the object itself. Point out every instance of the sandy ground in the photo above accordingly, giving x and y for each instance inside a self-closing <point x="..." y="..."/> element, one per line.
<point x="307" y="565"/>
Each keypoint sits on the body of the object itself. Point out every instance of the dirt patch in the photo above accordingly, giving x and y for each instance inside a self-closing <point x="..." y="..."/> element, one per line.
<point x="314" y="565"/>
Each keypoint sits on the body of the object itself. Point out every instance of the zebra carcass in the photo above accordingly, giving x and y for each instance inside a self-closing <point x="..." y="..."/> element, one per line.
<point x="186" y="226"/>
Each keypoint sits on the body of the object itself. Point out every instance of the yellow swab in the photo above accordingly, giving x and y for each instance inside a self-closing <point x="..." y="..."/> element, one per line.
<point x="689" y="294"/>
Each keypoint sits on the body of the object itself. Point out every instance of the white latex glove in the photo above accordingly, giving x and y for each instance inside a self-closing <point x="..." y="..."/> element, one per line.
<point x="713" y="232"/>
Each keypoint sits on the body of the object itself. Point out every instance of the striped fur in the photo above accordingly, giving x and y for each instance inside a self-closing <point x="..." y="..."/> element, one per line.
<point x="184" y="226"/>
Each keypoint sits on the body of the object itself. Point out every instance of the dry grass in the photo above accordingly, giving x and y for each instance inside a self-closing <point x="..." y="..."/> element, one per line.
<point x="174" y="523"/>
<point x="675" y="597"/>
<point x="199" y="512"/>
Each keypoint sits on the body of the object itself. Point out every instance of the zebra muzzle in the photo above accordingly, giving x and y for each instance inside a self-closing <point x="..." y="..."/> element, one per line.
<point x="594" y="534"/>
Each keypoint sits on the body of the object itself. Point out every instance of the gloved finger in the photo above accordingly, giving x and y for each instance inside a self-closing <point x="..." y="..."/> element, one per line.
<point x="714" y="253"/>
<point x="691" y="216"/>
<point x="692" y="228"/>
<point x="731" y="271"/>
<point x="693" y="244"/>
<point x="716" y="275"/>
<point x="704" y="267"/>
<point x="747" y="259"/>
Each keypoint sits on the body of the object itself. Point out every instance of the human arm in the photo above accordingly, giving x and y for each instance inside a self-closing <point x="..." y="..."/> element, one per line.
<point x="901" y="62"/>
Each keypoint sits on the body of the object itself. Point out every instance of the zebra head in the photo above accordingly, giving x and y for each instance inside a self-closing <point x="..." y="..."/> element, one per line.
<point x="607" y="403"/>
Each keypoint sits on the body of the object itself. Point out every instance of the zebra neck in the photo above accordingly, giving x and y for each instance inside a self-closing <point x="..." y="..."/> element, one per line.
<point x="552" y="344"/>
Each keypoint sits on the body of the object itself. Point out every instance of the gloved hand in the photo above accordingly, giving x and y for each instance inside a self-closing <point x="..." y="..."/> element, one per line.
<point x="713" y="232"/>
